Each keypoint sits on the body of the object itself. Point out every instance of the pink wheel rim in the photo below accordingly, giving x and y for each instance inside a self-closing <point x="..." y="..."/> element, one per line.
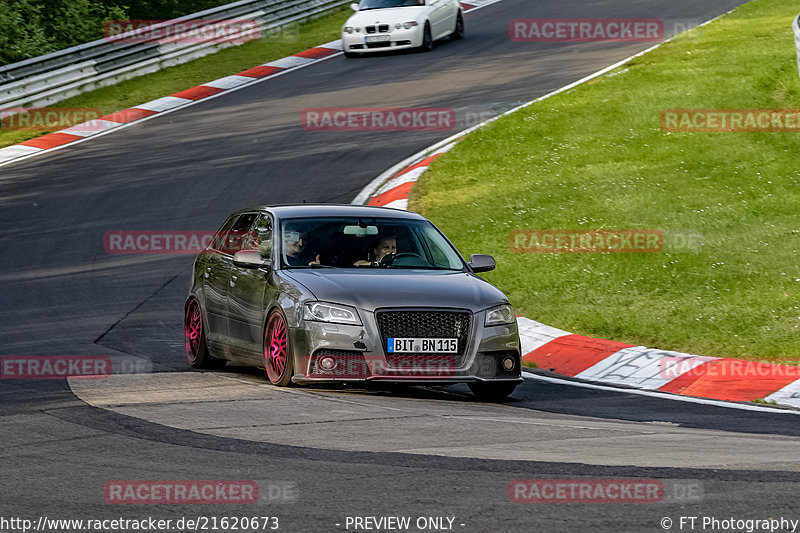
<point x="275" y="347"/>
<point x="193" y="327"/>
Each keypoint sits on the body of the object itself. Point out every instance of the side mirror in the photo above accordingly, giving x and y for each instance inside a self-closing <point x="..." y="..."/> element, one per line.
<point x="354" y="6"/>
<point x="250" y="259"/>
<point x="481" y="263"/>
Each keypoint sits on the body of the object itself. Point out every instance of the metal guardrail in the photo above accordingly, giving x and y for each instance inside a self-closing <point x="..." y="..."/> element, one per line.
<point x="796" y="28"/>
<point x="43" y="80"/>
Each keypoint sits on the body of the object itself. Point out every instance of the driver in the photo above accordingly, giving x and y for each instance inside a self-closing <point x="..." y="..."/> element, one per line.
<point x="386" y="245"/>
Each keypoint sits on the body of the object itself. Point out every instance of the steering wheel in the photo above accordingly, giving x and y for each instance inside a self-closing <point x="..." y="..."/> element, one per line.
<point x="389" y="259"/>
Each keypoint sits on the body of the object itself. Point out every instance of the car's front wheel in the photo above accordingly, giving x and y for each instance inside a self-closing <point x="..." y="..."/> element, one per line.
<point x="458" y="33"/>
<point x="195" y="335"/>
<point x="277" y="355"/>
<point x="492" y="392"/>
<point x="427" y="38"/>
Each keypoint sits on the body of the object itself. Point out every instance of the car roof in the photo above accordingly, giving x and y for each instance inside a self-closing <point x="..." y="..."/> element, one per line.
<point x="333" y="210"/>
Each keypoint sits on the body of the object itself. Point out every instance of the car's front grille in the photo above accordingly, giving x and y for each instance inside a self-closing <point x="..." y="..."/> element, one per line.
<point x="425" y="324"/>
<point x="381" y="28"/>
<point x="492" y="365"/>
<point x="384" y="44"/>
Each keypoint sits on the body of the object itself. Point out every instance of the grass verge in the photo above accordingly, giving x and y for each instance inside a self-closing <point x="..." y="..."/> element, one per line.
<point x="596" y="157"/>
<point x="223" y="63"/>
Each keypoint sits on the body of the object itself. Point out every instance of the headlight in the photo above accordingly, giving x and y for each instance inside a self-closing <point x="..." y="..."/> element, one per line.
<point x="348" y="29"/>
<point x="500" y="315"/>
<point x="398" y="26"/>
<point x="335" y="313"/>
<point x="409" y="25"/>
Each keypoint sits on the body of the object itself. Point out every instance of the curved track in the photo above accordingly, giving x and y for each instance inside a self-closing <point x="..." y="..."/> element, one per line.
<point x="410" y="451"/>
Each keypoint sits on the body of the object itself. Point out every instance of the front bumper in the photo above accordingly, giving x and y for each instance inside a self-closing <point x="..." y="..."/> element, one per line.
<point x="360" y="356"/>
<point x="399" y="40"/>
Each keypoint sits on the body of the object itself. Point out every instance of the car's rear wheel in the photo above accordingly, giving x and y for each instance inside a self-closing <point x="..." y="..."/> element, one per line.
<point x="194" y="332"/>
<point x="458" y="33"/>
<point x="427" y="38"/>
<point x="492" y="392"/>
<point x="277" y="355"/>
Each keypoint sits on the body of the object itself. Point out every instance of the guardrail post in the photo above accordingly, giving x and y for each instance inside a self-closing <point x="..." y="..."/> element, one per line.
<point x="796" y="28"/>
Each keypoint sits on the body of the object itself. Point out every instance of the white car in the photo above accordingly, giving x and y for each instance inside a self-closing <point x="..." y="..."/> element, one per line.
<point x="381" y="25"/>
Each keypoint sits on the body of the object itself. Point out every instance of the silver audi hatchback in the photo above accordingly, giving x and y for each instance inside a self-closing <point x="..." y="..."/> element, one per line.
<point x="342" y="293"/>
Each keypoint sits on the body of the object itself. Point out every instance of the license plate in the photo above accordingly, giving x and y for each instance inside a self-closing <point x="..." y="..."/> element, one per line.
<point x="378" y="38"/>
<point x="421" y="345"/>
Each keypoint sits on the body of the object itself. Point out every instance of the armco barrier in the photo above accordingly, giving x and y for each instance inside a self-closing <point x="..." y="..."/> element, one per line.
<point x="43" y="80"/>
<point x="796" y="28"/>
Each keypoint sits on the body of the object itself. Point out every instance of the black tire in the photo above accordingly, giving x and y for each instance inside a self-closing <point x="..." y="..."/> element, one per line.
<point x="458" y="33"/>
<point x="492" y="392"/>
<point x="195" y="336"/>
<point x="427" y="38"/>
<point x="279" y="375"/>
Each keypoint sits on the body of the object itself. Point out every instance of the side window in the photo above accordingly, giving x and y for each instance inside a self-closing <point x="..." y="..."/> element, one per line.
<point x="218" y="242"/>
<point x="231" y="238"/>
<point x="262" y="236"/>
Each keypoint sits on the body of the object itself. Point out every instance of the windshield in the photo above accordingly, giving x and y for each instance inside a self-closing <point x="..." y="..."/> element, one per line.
<point x="380" y="4"/>
<point x="368" y="243"/>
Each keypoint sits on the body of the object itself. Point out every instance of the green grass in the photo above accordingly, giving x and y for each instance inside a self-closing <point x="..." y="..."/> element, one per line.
<point x="223" y="63"/>
<point x="595" y="157"/>
<point x="763" y="401"/>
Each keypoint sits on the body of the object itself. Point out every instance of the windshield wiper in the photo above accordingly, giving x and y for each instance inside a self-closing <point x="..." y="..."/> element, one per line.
<point x="311" y="266"/>
<point x="424" y="268"/>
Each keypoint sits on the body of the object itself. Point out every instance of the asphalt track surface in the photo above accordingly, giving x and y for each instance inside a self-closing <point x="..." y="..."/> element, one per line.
<point x="415" y="452"/>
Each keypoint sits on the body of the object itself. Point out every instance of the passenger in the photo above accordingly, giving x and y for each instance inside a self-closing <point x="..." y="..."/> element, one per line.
<point x="294" y="249"/>
<point x="386" y="245"/>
